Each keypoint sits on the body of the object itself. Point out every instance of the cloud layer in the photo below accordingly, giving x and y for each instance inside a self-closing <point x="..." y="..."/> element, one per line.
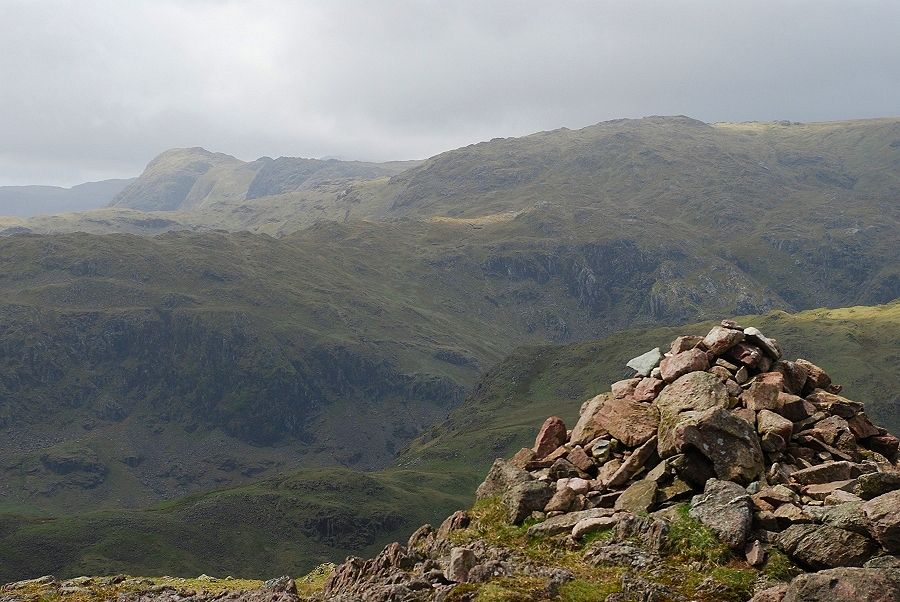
<point x="96" y="88"/>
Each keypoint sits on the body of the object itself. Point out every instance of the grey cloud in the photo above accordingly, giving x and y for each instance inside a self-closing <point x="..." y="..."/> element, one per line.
<point x="96" y="88"/>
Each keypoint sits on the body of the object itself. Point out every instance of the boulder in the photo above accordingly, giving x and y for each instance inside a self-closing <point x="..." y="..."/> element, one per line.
<point x="631" y="422"/>
<point x="632" y="464"/>
<point x="771" y="594"/>
<point x="823" y="546"/>
<point x="592" y="525"/>
<point x="563" y="469"/>
<point x="638" y="498"/>
<point x="684" y="343"/>
<point x="820" y="491"/>
<point x="456" y="521"/>
<point x="834" y="404"/>
<point x="723" y="373"/>
<point x="768" y="421"/>
<point x="794" y="376"/>
<point x="727" y="441"/>
<point x="770" y="346"/>
<point x="677" y="488"/>
<point x="561" y="501"/>
<point x="523" y="499"/>
<point x="862" y="427"/>
<point x="844" y="585"/>
<point x="693" y="467"/>
<point x="761" y="396"/>
<point x="588" y="428"/>
<point x="692" y="360"/>
<point x="646" y="362"/>
<point x="725" y="508"/>
<point x="874" y="484"/>
<point x="816" y="378"/>
<point x="580" y="460"/>
<point x="794" y="408"/>
<point x="755" y="553"/>
<point x="826" y="473"/>
<point x="886" y="445"/>
<point x="848" y="516"/>
<point x="461" y="562"/>
<point x="501" y="477"/>
<point x="648" y="389"/>
<point x="746" y="354"/>
<point x="882" y="516"/>
<point x="721" y="339"/>
<point x="550" y="437"/>
<point x="680" y="400"/>
<point x="624" y="388"/>
<point x="565" y="522"/>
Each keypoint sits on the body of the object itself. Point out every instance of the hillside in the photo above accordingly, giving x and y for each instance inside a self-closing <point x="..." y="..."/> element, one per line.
<point x="438" y="472"/>
<point x="283" y="348"/>
<point x="29" y="201"/>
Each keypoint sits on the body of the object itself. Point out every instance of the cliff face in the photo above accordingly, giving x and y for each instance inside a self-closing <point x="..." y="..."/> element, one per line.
<point x="720" y="471"/>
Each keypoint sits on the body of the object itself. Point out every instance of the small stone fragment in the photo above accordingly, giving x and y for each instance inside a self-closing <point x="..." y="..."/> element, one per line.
<point x="645" y="363"/>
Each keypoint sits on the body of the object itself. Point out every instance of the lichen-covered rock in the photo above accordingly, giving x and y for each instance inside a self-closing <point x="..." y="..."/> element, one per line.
<point x="824" y="546"/>
<point x="727" y="441"/>
<point x="844" y="585"/>
<point x="680" y="400"/>
<point x="883" y="520"/>
<point x="725" y="508"/>
<point x="523" y="499"/>
<point x="501" y="477"/>
<point x="638" y="498"/>
<point x="874" y="484"/>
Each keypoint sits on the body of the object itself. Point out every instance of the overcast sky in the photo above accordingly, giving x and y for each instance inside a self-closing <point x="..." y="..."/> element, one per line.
<point x="94" y="89"/>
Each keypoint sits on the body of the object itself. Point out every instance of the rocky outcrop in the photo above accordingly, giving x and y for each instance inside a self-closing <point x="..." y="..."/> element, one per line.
<point x="764" y="450"/>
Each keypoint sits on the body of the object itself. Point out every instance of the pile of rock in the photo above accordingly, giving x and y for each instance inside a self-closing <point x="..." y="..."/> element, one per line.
<point x="765" y="449"/>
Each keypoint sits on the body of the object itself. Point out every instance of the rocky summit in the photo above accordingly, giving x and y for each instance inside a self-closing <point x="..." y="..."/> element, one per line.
<point x="719" y="471"/>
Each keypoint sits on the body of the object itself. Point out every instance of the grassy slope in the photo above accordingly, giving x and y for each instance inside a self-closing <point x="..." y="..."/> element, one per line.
<point x="290" y="523"/>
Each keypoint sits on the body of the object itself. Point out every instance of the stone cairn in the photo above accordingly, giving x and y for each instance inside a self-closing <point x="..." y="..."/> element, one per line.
<point x="765" y="450"/>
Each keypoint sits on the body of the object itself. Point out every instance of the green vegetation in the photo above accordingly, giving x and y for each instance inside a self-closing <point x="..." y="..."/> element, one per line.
<point x="694" y="541"/>
<point x="280" y="525"/>
<point x="696" y="564"/>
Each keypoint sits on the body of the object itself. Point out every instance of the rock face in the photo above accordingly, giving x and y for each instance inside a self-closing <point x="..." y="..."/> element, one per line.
<point x="764" y="450"/>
